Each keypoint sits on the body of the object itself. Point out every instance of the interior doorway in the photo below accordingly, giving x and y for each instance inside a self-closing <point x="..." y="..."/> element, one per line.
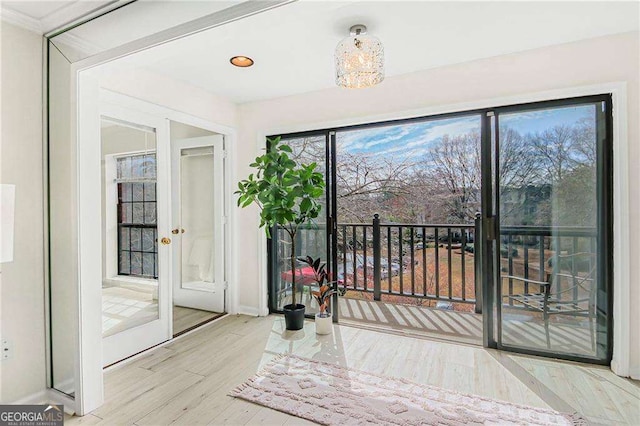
<point x="163" y="229"/>
<point x="197" y="193"/>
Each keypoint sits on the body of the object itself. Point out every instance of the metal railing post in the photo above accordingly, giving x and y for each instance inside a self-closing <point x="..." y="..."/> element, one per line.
<point x="376" y="257"/>
<point x="477" y="261"/>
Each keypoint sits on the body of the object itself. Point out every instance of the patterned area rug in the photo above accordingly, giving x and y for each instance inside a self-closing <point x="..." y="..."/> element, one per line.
<point x="333" y="395"/>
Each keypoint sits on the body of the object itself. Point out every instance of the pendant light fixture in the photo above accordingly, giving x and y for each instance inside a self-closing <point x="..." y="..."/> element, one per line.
<point x="359" y="59"/>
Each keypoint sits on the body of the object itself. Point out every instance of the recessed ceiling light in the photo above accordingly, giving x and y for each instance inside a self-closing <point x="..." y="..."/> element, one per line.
<point x="241" y="61"/>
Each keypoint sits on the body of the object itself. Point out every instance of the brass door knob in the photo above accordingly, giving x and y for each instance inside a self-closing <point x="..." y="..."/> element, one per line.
<point x="165" y="241"/>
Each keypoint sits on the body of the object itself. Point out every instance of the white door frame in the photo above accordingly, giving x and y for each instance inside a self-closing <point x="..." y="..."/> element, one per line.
<point x="84" y="90"/>
<point x="86" y="112"/>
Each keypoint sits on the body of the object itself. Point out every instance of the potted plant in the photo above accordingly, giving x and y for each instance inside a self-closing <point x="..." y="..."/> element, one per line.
<point x="288" y="194"/>
<point x="323" y="295"/>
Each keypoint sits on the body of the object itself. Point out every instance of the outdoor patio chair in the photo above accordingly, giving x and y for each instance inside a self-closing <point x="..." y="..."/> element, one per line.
<point x="570" y="293"/>
<point x="284" y="291"/>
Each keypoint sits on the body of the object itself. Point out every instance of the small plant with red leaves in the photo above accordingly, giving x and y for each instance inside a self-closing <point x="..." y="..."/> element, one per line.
<point x="325" y="291"/>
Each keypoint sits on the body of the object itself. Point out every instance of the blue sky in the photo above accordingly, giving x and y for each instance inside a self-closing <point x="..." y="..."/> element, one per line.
<point x="414" y="139"/>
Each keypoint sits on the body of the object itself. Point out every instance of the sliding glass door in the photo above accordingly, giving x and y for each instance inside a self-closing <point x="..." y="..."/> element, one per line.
<point x="313" y="239"/>
<point x="535" y="262"/>
<point x="552" y="254"/>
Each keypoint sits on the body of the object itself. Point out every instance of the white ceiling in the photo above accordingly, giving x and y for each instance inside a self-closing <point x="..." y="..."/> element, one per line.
<point x="135" y="21"/>
<point x="37" y="9"/>
<point x="293" y="45"/>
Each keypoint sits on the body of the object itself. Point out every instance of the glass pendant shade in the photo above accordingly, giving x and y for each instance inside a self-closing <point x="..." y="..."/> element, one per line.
<point x="359" y="60"/>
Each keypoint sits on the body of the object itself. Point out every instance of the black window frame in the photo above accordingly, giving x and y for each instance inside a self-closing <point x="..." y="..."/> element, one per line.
<point x="132" y="226"/>
<point x="604" y="176"/>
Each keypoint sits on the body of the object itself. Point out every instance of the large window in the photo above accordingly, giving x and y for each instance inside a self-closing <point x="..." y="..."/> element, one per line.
<point x="137" y="228"/>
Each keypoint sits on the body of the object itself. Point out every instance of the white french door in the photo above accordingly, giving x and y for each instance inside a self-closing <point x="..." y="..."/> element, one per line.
<point x="136" y="251"/>
<point x="198" y="223"/>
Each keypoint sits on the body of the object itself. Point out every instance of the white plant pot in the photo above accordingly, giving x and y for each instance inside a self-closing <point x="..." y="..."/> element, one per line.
<point x="324" y="325"/>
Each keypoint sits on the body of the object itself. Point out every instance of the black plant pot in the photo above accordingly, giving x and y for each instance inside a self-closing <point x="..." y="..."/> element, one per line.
<point x="294" y="316"/>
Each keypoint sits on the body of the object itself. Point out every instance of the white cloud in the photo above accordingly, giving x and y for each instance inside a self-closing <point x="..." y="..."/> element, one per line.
<point x="405" y="139"/>
<point x="368" y="138"/>
<point x="419" y="145"/>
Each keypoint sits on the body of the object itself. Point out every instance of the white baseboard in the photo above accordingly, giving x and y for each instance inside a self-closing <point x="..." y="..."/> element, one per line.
<point x="39" y="397"/>
<point x="248" y="310"/>
<point x="615" y="367"/>
<point x="633" y="373"/>
<point x="48" y="396"/>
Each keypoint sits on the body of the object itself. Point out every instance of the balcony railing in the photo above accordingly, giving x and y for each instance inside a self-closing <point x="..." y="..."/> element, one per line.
<point x="541" y="247"/>
<point x="408" y="260"/>
<point x="440" y="262"/>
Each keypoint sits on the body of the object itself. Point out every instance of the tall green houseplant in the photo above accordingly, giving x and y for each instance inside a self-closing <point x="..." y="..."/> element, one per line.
<point x="288" y="194"/>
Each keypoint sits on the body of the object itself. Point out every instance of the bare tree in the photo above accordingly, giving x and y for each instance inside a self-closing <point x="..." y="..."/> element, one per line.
<point x="444" y="185"/>
<point x="553" y="149"/>
<point x="561" y="187"/>
<point x="454" y="166"/>
<point x="517" y="160"/>
<point x="368" y="184"/>
<point x="584" y="141"/>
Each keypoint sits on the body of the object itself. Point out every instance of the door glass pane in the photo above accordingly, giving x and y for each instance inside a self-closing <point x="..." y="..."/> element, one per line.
<point x="422" y="178"/>
<point x="311" y="239"/>
<point x="129" y="230"/>
<point x="552" y="291"/>
<point x="197" y="218"/>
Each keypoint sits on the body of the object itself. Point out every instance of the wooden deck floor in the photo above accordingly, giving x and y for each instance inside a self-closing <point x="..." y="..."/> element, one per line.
<point x="461" y="327"/>
<point x="186" y="382"/>
<point x="465" y="327"/>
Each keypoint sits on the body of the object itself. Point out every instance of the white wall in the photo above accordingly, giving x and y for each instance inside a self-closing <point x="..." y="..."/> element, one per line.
<point x="172" y="94"/>
<point x="22" y="308"/>
<point x="606" y="59"/>
<point x="184" y="131"/>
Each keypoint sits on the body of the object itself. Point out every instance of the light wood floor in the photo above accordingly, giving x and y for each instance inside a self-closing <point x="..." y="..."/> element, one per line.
<point x="186" y="382"/>
<point x="186" y="318"/>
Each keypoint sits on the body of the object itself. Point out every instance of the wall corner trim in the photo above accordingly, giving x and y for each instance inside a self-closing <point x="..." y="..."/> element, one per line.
<point x="20" y="19"/>
<point x="249" y="310"/>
